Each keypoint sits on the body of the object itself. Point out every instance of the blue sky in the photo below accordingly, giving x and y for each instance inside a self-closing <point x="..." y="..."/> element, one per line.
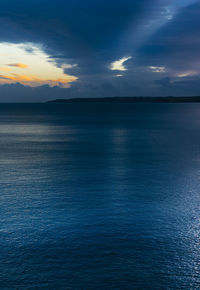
<point x="75" y="48"/>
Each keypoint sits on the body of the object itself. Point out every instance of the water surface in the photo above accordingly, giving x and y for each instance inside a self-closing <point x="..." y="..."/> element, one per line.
<point x="100" y="196"/>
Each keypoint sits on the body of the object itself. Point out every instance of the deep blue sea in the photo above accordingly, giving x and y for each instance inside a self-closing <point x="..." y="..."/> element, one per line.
<point x="99" y="196"/>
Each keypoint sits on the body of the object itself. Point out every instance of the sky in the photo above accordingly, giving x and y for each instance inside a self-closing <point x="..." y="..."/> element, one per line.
<point x="96" y="48"/>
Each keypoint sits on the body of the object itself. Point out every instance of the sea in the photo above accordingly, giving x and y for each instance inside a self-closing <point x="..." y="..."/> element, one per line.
<point x="99" y="196"/>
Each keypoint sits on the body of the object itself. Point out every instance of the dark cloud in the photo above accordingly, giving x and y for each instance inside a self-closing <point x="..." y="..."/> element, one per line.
<point x="162" y="87"/>
<point x="164" y="82"/>
<point x="177" y="44"/>
<point x="188" y="86"/>
<point x="92" y="34"/>
<point x="84" y="31"/>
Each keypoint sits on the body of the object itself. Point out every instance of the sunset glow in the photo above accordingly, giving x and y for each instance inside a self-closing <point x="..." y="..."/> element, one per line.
<point x="19" y="64"/>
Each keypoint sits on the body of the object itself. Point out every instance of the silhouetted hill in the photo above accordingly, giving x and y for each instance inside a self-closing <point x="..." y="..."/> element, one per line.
<point x="130" y="100"/>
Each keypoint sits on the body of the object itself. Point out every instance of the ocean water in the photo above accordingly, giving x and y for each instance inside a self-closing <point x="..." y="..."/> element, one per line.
<point x="100" y="196"/>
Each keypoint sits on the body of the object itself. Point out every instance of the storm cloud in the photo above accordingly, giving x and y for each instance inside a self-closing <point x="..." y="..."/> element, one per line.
<point x="86" y="37"/>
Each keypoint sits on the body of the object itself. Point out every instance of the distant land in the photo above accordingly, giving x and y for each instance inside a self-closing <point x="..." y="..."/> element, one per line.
<point x="130" y="100"/>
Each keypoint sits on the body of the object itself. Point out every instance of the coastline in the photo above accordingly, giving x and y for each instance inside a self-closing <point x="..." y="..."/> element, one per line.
<point x="130" y="100"/>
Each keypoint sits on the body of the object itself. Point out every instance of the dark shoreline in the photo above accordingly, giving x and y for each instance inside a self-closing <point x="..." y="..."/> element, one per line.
<point x="130" y="100"/>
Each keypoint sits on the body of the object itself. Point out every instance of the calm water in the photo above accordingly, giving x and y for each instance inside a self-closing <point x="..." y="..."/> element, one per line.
<point x="100" y="196"/>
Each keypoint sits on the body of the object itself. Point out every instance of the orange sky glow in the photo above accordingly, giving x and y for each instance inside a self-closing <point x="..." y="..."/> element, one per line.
<point x="38" y="69"/>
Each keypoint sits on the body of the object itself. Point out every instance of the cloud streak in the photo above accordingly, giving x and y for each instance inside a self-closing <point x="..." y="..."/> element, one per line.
<point x="18" y="65"/>
<point x="34" y="81"/>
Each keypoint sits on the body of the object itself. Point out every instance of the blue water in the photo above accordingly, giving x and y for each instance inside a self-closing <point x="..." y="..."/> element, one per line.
<point x="100" y="196"/>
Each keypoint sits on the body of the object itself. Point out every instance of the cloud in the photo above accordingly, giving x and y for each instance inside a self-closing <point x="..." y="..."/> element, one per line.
<point x="6" y="69"/>
<point x="186" y="74"/>
<point x="67" y="30"/>
<point x="176" y="46"/>
<point x="164" y="82"/>
<point x="39" y="68"/>
<point x="20" y="93"/>
<point x="163" y="35"/>
<point x="157" y="69"/>
<point x="18" y="65"/>
<point x="34" y="81"/>
<point x="119" y="64"/>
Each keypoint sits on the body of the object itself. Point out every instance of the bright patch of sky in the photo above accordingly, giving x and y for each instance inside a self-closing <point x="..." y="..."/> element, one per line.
<point x="119" y="64"/>
<point x="186" y="74"/>
<point x="29" y="65"/>
<point x="157" y="69"/>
